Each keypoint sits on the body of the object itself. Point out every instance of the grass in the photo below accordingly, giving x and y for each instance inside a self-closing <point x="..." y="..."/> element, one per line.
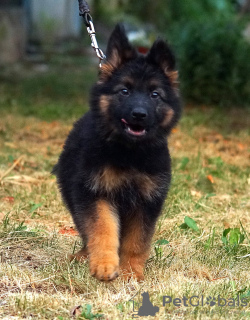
<point x="201" y="246"/>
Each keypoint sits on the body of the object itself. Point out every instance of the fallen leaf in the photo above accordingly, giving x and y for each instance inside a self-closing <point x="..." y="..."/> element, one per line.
<point x="76" y="311"/>
<point x="68" y="231"/>
<point x="174" y="130"/>
<point x="210" y="178"/>
<point x="9" y="199"/>
<point x="241" y="146"/>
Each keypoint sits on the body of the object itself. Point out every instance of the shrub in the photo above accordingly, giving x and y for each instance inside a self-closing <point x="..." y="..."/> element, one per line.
<point x="213" y="61"/>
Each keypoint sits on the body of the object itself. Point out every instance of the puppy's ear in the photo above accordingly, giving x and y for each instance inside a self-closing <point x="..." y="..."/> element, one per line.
<point x="119" y="51"/>
<point x="161" y="55"/>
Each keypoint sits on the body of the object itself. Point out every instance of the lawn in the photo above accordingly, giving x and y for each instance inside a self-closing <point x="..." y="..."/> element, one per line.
<point x="201" y="246"/>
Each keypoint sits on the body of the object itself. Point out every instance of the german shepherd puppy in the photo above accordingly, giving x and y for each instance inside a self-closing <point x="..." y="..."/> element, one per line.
<point x="114" y="171"/>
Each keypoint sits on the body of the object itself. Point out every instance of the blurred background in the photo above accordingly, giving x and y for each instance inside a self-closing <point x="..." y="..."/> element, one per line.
<point x="47" y="65"/>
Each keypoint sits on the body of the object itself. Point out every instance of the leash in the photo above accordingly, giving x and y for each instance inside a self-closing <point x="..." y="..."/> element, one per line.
<point x="85" y="13"/>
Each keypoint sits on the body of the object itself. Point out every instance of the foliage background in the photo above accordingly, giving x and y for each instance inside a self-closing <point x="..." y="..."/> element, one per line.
<point x="207" y="37"/>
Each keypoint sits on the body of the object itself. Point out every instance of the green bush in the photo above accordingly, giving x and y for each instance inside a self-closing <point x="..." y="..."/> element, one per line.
<point x="165" y="13"/>
<point x="213" y="61"/>
<point x="212" y="54"/>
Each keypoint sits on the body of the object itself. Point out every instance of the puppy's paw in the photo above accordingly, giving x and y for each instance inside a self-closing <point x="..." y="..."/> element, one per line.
<point x="104" y="269"/>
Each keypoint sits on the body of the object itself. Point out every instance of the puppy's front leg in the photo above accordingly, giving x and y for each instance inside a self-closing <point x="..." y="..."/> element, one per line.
<point x="135" y="248"/>
<point x="103" y="242"/>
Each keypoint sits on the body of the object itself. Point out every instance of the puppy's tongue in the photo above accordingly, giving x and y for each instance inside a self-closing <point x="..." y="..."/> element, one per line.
<point x="133" y="129"/>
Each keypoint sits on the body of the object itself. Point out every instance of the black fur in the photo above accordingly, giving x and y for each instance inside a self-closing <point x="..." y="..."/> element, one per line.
<point x="124" y="130"/>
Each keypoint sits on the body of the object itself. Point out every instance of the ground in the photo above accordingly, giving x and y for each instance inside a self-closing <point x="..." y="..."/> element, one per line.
<point x="192" y="254"/>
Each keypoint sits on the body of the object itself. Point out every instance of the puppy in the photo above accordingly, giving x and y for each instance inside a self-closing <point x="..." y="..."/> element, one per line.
<point x="114" y="172"/>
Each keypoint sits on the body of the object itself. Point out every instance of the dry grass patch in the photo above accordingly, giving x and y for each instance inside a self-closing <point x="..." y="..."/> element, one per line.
<point x="210" y="185"/>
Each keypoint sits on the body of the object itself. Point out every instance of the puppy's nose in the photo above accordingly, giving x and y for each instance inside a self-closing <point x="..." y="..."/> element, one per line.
<point x="139" y="114"/>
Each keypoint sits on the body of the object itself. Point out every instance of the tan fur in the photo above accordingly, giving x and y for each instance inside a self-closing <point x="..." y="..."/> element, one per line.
<point x="115" y="59"/>
<point x="168" y="117"/>
<point x="106" y="71"/>
<point x="113" y="62"/>
<point x="110" y="179"/>
<point x="109" y="66"/>
<point x="103" y="242"/>
<point x="104" y="103"/>
<point x="134" y="251"/>
<point x="173" y="76"/>
<point x="146" y="185"/>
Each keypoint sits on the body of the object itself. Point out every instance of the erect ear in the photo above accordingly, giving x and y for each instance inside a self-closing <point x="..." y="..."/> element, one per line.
<point x="119" y="51"/>
<point x="161" y="55"/>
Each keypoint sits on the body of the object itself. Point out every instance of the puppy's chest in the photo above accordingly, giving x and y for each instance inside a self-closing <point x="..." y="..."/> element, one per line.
<point x="110" y="180"/>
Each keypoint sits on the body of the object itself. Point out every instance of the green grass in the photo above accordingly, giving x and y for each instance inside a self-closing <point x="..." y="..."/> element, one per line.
<point x="191" y="254"/>
<point x="59" y="93"/>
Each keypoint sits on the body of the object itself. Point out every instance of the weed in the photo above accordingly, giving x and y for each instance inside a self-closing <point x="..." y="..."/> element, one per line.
<point x="232" y="238"/>
<point x="189" y="223"/>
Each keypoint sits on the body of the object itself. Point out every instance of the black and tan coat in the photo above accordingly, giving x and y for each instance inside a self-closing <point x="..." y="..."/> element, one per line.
<point x="114" y="171"/>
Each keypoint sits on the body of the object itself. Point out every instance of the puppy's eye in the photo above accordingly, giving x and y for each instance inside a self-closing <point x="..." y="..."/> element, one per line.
<point x="155" y="95"/>
<point x="124" y="92"/>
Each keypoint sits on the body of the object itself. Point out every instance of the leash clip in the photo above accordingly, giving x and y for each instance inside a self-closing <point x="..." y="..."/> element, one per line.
<point x="94" y="44"/>
<point x="85" y="13"/>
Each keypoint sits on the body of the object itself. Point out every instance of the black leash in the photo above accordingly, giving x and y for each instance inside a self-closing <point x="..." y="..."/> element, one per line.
<point x="85" y="13"/>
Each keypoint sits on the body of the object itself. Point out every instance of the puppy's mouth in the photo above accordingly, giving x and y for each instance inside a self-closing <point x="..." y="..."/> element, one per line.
<point x="134" y="129"/>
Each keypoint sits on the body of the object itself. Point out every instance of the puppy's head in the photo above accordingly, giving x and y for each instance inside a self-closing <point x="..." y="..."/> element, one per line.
<point x="136" y="96"/>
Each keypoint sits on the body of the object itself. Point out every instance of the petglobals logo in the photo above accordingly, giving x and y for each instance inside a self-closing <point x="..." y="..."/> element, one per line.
<point x="195" y="301"/>
<point x="143" y="306"/>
